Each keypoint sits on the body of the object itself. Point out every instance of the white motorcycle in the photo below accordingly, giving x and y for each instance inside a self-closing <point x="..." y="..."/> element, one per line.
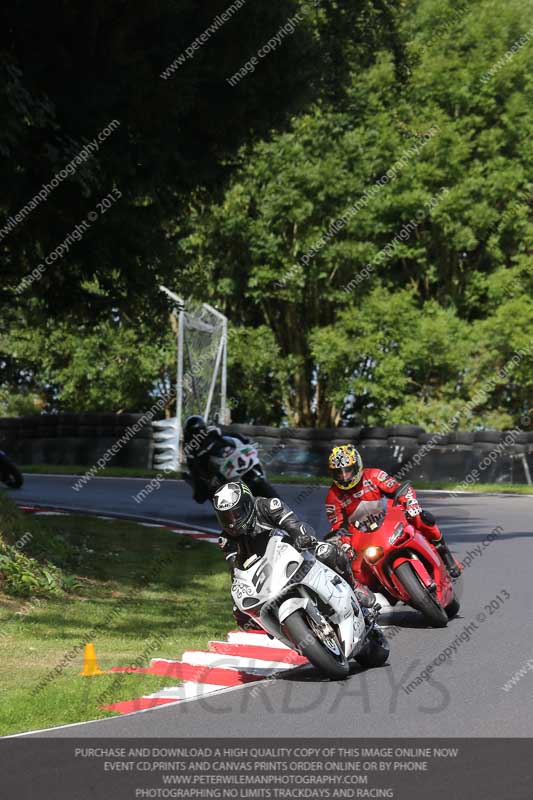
<point x="230" y="460"/>
<point x="300" y="601"/>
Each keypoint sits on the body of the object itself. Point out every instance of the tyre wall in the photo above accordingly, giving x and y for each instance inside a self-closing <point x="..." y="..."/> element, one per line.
<point x="406" y="451"/>
<point x="78" y="439"/>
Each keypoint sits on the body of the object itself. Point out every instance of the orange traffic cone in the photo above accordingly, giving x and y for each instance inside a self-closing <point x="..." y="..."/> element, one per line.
<point x="90" y="663"/>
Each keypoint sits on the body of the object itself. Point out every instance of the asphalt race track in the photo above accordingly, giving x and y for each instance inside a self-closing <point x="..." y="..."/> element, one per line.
<point x="463" y="695"/>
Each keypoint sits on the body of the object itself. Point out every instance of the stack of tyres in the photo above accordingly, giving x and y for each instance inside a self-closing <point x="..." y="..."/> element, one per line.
<point x="296" y="451"/>
<point x="434" y="448"/>
<point x="518" y="455"/>
<point x="25" y="442"/>
<point x="493" y="460"/>
<point x="402" y="441"/>
<point x="88" y="426"/>
<point x="8" y="432"/>
<point x="460" y="441"/>
<point x="134" y="441"/>
<point x="374" y="448"/>
<point x="44" y="443"/>
<point x="373" y="437"/>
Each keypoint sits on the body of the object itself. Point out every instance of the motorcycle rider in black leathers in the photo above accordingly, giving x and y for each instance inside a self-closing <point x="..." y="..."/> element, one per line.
<point x="247" y="524"/>
<point x="200" y="441"/>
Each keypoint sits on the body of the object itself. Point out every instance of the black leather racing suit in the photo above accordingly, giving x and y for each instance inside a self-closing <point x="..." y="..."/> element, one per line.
<point x="273" y="514"/>
<point x="198" y="452"/>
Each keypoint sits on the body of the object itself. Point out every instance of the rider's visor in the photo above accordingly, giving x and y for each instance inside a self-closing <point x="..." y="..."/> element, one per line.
<point x="344" y="475"/>
<point x="235" y="521"/>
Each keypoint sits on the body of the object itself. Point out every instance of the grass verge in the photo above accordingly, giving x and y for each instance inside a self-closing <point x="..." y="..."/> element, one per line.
<point x="139" y="593"/>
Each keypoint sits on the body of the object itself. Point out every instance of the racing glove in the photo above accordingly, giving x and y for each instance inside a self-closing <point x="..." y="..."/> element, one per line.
<point x="304" y="541"/>
<point x="336" y="537"/>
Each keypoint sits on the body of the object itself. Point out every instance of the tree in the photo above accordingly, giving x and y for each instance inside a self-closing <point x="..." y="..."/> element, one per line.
<point x="111" y="366"/>
<point x="422" y="185"/>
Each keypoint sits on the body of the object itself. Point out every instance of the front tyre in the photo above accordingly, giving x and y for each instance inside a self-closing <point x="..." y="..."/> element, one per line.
<point x="452" y="609"/>
<point x="323" y="652"/>
<point x="420" y="597"/>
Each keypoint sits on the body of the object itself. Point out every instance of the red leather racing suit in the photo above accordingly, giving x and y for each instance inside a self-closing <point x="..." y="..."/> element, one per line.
<point x="374" y="484"/>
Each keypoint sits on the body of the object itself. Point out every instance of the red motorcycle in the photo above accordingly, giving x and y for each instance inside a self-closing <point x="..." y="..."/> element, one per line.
<point x="393" y="558"/>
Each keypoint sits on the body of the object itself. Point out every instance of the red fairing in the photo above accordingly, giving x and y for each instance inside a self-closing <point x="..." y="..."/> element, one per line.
<point x="407" y="545"/>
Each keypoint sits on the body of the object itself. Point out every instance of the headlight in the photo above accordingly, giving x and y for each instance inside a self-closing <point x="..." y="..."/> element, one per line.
<point x="373" y="554"/>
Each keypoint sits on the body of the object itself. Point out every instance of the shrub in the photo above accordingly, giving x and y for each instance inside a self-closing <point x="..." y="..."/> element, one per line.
<point x="20" y="574"/>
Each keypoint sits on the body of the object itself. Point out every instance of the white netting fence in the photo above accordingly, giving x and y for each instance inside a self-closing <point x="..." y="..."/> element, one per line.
<point x="201" y="378"/>
<point x="203" y="384"/>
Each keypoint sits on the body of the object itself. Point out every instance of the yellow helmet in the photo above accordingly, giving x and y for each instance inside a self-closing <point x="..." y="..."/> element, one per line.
<point x="346" y="466"/>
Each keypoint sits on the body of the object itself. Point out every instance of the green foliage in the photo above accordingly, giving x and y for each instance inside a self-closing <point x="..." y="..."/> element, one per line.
<point x="252" y="368"/>
<point x="143" y="597"/>
<point x="422" y="120"/>
<point x="21" y="575"/>
<point x="108" y="366"/>
<point x="451" y="301"/>
<point x="407" y="357"/>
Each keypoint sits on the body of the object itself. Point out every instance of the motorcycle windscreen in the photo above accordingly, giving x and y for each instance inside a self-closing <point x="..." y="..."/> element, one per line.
<point x="369" y="515"/>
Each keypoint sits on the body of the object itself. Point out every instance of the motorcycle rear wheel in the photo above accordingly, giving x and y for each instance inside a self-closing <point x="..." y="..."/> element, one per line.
<point x="317" y="653"/>
<point x="421" y="597"/>
<point x="10" y="474"/>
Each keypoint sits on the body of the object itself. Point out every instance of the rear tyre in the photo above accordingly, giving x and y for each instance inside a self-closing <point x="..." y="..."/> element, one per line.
<point x="421" y="599"/>
<point x="452" y="609"/>
<point x="375" y="652"/>
<point x="320" y="654"/>
<point x="261" y="488"/>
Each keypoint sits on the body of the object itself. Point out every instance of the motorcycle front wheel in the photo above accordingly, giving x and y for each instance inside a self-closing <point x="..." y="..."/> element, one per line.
<point x="420" y="597"/>
<point x="324" y="653"/>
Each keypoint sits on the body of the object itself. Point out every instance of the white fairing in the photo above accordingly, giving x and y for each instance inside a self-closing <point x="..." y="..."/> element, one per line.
<point x="260" y="589"/>
<point x="239" y="461"/>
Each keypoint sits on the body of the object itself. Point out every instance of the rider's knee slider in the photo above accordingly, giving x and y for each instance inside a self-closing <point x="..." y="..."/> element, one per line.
<point x="428" y="518"/>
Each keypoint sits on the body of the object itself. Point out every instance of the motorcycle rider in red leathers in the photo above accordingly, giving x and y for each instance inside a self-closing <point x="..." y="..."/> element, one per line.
<point x="353" y="483"/>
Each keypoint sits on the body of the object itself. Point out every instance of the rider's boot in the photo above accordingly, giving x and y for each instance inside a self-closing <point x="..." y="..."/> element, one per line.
<point x="365" y="596"/>
<point x="454" y="567"/>
<point x="427" y="525"/>
<point x="337" y="559"/>
<point x="244" y="622"/>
